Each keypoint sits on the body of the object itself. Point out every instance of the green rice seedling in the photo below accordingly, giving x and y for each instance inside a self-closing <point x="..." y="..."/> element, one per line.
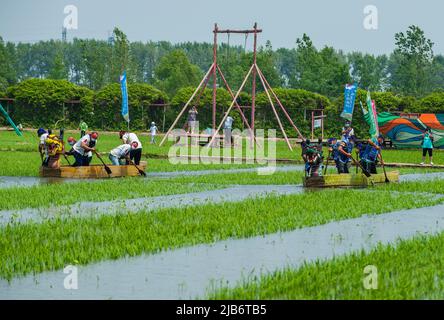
<point x="411" y="269"/>
<point x="36" y="247"/>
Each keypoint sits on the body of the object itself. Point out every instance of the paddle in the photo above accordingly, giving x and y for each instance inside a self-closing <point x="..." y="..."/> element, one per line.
<point x="142" y="173"/>
<point x="364" y="171"/>
<point x="383" y="167"/>
<point x="41" y="156"/>
<point x="107" y="169"/>
<point x="357" y="158"/>
<point x="326" y="165"/>
<point x="66" y="158"/>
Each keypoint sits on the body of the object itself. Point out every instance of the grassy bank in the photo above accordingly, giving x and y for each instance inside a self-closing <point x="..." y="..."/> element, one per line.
<point x="108" y="141"/>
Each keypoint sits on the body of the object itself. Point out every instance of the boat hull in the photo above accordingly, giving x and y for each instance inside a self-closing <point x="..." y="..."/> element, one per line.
<point x="92" y="171"/>
<point x="348" y="180"/>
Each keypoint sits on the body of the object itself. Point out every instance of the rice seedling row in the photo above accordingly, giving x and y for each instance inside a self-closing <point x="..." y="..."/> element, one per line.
<point x="51" y="245"/>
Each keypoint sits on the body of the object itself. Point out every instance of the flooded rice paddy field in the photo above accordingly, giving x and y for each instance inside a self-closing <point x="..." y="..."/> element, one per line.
<point x="193" y="271"/>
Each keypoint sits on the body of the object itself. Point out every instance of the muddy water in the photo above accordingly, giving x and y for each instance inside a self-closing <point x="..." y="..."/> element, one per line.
<point x="189" y="272"/>
<point x="10" y="182"/>
<point x="234" y="193"/>
<point x="223" y="171"/>
<point x="82" y="209"/>
<point x="421" y="176"/>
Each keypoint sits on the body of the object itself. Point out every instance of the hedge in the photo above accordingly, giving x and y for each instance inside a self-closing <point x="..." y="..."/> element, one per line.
<point x="41" y="102"/>
<point x="107" y="105"/>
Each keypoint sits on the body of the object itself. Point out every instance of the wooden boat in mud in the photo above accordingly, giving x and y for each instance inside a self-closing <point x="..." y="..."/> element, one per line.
<point x="348" y="180"/>
<point x="96" y="171"/>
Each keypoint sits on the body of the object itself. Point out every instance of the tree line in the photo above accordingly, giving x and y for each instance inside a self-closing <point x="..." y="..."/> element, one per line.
<point x="412" y="69"/>
<point x="42" y="76"/>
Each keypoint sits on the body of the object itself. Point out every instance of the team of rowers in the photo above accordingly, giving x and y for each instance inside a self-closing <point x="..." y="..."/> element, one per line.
<point x="340" y="151"/>
<point x="51" y="148"/>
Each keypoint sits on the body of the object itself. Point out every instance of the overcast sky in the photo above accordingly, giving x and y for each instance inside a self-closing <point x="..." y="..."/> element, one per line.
<point x="337" y="23"/>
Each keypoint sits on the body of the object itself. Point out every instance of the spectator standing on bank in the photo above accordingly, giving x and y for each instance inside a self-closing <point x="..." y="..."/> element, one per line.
<point x="228" y="126"/>
<point x="153" y="131"/>
<point x="83" y="127"/>
<point x="192" y="120"/>
<point x="427" y="146"/>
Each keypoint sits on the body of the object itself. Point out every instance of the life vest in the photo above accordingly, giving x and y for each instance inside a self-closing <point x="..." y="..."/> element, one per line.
<point x="54" y="145"/>
<point x="370" y="153"/>
<point x="347" y="147"/>
<point x="335" y="152"/>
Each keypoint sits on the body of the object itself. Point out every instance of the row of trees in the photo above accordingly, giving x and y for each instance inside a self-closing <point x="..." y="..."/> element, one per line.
<point x="60" y="103"/>
<point x="412" y="69"/>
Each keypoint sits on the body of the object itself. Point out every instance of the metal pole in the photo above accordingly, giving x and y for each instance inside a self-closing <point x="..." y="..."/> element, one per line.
<point x="322" y="125"/>
<point x="163" y="124"/>
<point x="275" y="113"/>
<point x="231" y="106"/>
<point x="280" y="104"/>
<point x="214" y="75"/>
<point x="244" y="119"/>
<point x="312" y="125"/>
<point x="186" y="105"/>
<point x="253" y="91"/>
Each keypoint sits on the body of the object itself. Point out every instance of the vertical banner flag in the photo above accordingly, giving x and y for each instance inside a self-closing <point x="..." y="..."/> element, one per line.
<point x="349" y="101"/>
<point x="17" y="131"/>
<point x="123" y="86"/>
<point x="371" y="105"/>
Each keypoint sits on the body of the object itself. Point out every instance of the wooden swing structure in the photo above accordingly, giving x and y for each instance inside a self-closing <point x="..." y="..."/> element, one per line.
<point x="255" y="72"/>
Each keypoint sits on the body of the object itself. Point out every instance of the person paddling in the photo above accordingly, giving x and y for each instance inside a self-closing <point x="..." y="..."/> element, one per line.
<point x="343" y="156"/>
<point x="371" y="154"/>
<point x="43" y="150"/>
<point x="119" y="154"/>
<point x="132" y="139"/>
<point x="55" y="147"/>
<point x="81" y="149"/>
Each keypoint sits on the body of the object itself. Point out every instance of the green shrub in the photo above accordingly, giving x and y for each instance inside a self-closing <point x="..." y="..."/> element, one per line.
<point x="107" y="104"/>
<point x="433" y="103"/>
<point x="41" y="102"/>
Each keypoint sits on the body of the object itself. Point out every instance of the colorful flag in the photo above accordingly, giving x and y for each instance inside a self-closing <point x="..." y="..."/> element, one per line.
<point x="374" y="128"/>
<point x="123" y="86"/>
<point x="349" y="101"/>
<point x="17" y="131"/>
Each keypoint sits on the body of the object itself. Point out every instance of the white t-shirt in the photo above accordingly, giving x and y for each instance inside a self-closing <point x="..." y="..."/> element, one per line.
<point x="42" y="142"/>
<point x="43" y="138"/>
<point x="129" y="138"/>
<point x="153" y="130"/>
<point x="121" y="151"/>
<point x="78" y="145"/>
